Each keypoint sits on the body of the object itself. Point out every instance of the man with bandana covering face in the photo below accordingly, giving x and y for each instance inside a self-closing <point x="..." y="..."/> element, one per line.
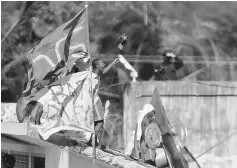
<point x="167" y="69"/>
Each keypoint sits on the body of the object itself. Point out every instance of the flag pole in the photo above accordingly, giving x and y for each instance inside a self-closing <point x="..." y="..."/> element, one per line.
<point x="92" y="96"/>
<point x="88" y="43"/>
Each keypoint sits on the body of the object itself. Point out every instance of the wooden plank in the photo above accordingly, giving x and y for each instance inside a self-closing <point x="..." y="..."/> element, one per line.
<point x="110" y="94"/>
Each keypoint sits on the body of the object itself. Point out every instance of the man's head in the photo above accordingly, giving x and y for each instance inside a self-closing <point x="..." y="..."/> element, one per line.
<point x="151" y="116"/>
<point x="168" y="53"/>
<point x="149" y="112"/>
<point x="98" y="64"/>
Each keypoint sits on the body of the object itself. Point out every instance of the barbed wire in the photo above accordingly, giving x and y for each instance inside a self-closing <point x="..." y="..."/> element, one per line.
<point x="198" y="82"/>
<point x="159" y="59"/>
<point x="160" y="56"/>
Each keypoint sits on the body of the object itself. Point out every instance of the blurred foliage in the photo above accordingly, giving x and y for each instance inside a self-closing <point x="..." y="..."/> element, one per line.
<point x="195" y="29"/>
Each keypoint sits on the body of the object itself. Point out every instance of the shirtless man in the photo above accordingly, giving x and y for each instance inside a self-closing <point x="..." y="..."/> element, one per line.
<point x="98" y="67"/>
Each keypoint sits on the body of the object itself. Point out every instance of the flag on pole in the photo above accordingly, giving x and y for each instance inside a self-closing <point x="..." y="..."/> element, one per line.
<point x="57" y="52"/>
<point x="75" y="115"/>
<point x="51" y="59"/>
<point x="160" y="115"/>
<point x="176" y="156"/>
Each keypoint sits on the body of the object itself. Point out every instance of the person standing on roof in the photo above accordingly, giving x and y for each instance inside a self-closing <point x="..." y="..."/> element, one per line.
<point x="98" y="68"/>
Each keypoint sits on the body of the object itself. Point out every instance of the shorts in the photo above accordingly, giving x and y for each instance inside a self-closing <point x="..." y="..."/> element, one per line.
<point x="98" y="110"/>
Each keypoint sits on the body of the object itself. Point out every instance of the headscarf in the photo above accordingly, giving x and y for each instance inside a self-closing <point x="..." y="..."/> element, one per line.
<point x="147" y="108"/>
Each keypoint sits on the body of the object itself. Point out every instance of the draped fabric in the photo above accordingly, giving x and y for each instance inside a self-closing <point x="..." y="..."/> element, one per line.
<point x="77" y="114"/>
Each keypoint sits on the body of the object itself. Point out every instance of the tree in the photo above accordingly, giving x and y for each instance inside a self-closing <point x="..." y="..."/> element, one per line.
<point x="200" y="30"/>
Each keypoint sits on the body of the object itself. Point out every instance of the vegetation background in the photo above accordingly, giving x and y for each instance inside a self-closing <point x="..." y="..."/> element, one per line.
<point x="196" y="31"/>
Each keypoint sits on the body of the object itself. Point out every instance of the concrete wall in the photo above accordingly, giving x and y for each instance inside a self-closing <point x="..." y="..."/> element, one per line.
<point x="209" y="111"/>
<point x="24" y="153"/>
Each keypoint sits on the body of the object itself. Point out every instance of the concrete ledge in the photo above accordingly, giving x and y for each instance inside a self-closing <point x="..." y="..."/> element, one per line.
<point x="14" y="128"/>
<point x="23" y="129"/>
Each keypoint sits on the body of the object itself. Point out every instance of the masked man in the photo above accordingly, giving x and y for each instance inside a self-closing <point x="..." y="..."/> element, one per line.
<point x="167" y="69"/>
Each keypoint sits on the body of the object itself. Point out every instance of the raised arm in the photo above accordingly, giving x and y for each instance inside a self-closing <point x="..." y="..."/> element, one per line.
<point x="178" y="63"/>
<point x="106" y="69"/>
